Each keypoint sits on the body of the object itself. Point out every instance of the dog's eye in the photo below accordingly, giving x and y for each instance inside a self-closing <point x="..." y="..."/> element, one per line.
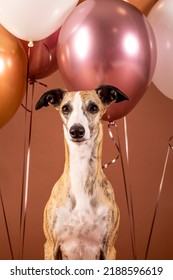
<point x="93" y="108"/>
<point x="66" y="109"/>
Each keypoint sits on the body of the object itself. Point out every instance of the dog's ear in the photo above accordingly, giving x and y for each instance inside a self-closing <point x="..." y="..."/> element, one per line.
<point x="51" y="97"/>
<point x="108" y="94"/>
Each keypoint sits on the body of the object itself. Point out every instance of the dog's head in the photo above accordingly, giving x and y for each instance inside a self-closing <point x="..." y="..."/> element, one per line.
<point x="81" y="111"/>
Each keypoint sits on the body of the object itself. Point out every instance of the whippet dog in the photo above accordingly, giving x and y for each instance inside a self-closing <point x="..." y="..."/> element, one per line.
<point x="81" y="218"/>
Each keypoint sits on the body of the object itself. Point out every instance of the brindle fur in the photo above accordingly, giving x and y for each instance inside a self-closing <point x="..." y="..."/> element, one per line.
<point x="97" y="222"/>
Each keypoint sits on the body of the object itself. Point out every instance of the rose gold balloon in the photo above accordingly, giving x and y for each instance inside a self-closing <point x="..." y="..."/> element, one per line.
<point x="43" y="60"/>
<point x="107" y="42"/>
<point x="13" y="65"/>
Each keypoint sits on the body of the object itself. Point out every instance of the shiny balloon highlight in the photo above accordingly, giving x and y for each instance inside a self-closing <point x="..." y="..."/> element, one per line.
<point x="13" y="73"/>
<point x="108" y="42"/>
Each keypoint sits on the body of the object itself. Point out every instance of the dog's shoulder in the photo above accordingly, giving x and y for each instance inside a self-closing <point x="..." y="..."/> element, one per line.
<point x="60" y="192"/>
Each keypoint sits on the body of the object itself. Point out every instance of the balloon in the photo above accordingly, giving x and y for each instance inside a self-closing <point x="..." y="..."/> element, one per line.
<point x="107" y="42"/>
<point x="42" y="62"/>
<point x="13" y="67"/>
<point x="34" y="20"/>
<point x="161" y="19"/>
<point x="143" y="5"/>
<point x="80" y="1"/>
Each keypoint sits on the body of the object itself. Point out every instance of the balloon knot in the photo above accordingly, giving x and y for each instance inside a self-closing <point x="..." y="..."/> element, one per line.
<point x="30" y="44"/>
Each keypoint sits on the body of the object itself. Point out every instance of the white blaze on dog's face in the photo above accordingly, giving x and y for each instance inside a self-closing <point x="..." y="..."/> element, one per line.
<point x="81" y="113"/>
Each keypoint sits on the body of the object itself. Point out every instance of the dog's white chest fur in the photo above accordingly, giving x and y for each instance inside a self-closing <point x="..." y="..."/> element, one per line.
<point x="81" y="225"/>
<point x="81" y="231"/>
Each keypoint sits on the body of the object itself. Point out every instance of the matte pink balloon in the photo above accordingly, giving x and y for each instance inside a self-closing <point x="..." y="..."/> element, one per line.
<point x="43" y="60"/>
<point x="108" y="42"/>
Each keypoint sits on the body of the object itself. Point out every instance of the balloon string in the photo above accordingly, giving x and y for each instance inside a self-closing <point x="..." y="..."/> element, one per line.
<point x="106" y="165"/>
<point x="26" y="162"/>
<point x="118" y="147"/>
<point x="26" y="157"/>
<point x="128" y="201"/>
<point x="25" y="188"/>
<point x="25" y="135"/>
<point x="6" y="225"/>
<point x="130" y="187"/>
<point x="25" y="108"/>
<point x="31" y="81"/>
<point x="170" y="147"/>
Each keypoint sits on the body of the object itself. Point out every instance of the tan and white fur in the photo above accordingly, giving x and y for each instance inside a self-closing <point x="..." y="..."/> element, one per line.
<point x="81" y="218"/>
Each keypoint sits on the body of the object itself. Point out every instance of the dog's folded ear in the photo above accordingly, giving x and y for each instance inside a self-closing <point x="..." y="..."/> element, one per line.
<point x="51" y="97"/>
<point x="109" y="93"/>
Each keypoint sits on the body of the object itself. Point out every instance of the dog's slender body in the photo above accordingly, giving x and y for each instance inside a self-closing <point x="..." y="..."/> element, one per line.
<point x="81" y="218"/>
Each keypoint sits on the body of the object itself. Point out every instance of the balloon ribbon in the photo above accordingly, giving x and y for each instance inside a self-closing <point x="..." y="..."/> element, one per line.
<point x="128" y="188"/>
<point x="6" y="225"/>
<point x="170" y="148"/>
<point x="26" y="165"/>
<point x="106" y="165"/>
<point x="128" y="195"/>
<point x="25" y="175"/>
<point x="26" y="161"/>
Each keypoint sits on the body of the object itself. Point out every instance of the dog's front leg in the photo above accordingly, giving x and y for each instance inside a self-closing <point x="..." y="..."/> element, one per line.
<point x="52" y="252"/>
<point x="109" y="251"/>
<point x="112" y="254"/>
<point x="49" y="251"/>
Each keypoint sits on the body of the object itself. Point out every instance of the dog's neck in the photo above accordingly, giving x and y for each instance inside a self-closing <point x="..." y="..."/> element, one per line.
<point x="83" y="163"/>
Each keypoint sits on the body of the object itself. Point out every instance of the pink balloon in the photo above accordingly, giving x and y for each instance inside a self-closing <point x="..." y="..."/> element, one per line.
<point x="43" y="60"/>
<point x="108" y="42"/>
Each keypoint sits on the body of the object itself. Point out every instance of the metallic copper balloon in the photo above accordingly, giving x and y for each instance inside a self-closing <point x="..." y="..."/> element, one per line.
<point x="143" y="5"/>
<point x="43" y="60"/>
<point x="107" y="42"/>
<point x="13" y="67"/>
<point x="80" y="1"/>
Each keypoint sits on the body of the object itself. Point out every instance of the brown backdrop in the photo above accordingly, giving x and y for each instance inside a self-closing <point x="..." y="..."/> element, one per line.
<point x="150" y="125"/>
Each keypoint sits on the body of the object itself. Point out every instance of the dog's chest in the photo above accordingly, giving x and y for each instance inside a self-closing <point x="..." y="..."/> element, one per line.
<point x="81" y="230"/>
<point x="81" y="223"/>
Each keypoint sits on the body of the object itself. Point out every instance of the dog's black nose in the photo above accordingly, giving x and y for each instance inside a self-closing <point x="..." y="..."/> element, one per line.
<point x="77" y="131"/>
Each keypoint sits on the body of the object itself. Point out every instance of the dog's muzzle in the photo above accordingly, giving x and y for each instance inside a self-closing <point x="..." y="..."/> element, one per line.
<point x="77" y="132"/>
